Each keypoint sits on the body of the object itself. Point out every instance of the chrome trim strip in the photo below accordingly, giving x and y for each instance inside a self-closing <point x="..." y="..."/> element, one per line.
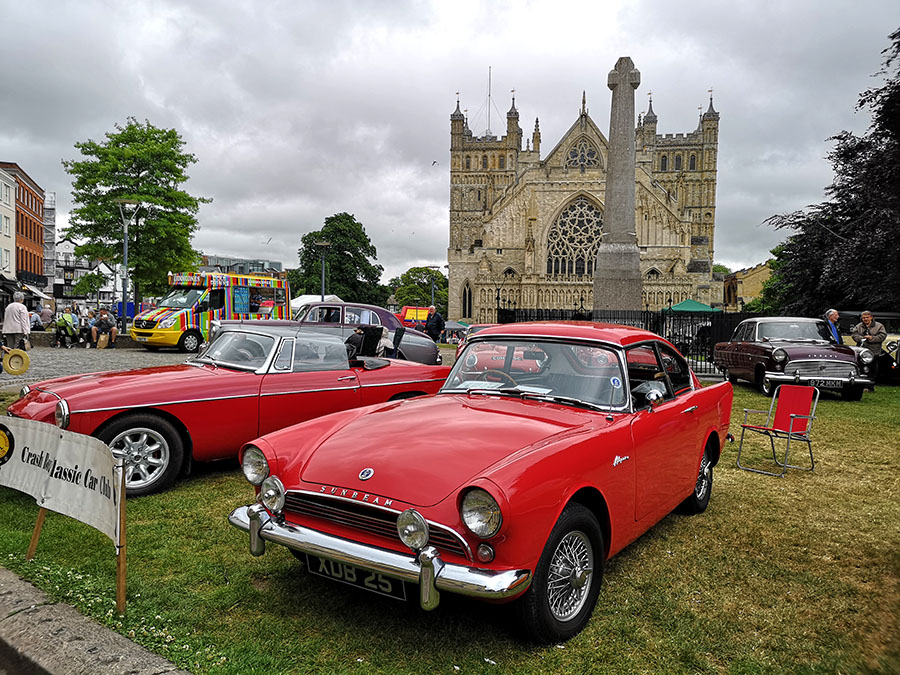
<point x="47" y="391"/>
<point x="162" y="403"/>
<point x="393" y="384"/>
<point x="462" y="579"/>
<point x="306" y="391"/>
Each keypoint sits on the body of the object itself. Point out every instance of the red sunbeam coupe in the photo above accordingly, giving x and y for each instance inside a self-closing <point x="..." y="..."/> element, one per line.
<point x="532" y="473"/>
<point x="249" y="381"/>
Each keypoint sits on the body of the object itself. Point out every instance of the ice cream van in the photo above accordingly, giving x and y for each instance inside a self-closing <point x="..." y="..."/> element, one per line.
<point x="182" y="318"/>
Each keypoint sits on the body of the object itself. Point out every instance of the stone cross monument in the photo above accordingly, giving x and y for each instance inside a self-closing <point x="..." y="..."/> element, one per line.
<point x="617" y="274"/>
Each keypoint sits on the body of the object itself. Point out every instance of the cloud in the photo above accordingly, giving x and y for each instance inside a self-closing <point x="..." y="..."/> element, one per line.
<point x="297" y="111"/>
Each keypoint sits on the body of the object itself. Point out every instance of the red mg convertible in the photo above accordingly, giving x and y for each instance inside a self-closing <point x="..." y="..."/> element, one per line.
<point x="534" y="471"/>
<point x="248" y="381"/>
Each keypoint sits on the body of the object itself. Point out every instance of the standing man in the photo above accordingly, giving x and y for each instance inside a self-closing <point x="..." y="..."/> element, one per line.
<point x="870" y="334"/>
<point x="434" y="325"/>
<point x="831" y="318"/>
<point x="16" y="326"/>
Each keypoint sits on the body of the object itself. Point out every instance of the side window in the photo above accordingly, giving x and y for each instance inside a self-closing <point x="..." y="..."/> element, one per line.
<point x="354" y="315"/>
<point x="314" y="356"/>
<point x="370" y="317"/>
<point x="324" y="315"/>
<point x="285" y="356"/>
<point x="677" y="370"/>
<point x="216" y="298"/>
<point x="645" y="375"/>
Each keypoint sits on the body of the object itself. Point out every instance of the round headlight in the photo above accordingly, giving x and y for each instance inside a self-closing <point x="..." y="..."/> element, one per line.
<point x="866" y="356"/>
<point x="271" y="494"/>
<point x="413" y="529"/>
<point x="61" y="414"/>
<point x="892" y="346"/>
<point x="779" y="355"/>
<point x="254" y="464"/>
<point x="23" y="392"/>
<point x="481" y="513"/>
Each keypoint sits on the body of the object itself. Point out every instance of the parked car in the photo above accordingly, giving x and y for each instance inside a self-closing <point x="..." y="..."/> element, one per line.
<point x="340" y="318"/>
<point x="769" y="351"/>
<point x="525" y="483"/>
<point x="889" y="359"/>
<point x="247" y="382"/>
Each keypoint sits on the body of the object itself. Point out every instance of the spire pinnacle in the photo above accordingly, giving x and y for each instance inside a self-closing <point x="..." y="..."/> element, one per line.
<point x="583" y="102"/>
<point x="650" y="117"/>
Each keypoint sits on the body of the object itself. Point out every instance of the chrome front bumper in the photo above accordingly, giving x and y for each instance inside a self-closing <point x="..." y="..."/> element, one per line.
<point x="425" y="568"/>
<point x="777" y="378"/>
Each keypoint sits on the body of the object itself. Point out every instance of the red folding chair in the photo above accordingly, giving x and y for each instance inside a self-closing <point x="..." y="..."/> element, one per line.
<point x="794" y="409"/>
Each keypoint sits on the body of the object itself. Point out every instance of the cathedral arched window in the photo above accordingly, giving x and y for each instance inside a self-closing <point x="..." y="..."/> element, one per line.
<point x="502" y="162"/>
<point x="484" y="161"/>
<point x="583" y="154"/>
<point x="468" y="162"/>
<point x="573" y="240"/>
<point x="664" y="163"/>
<point x="653" y="274"/>
<point x="467" y="300"/>
<point x="692" y="163"/>
<point x="678" y="162"/>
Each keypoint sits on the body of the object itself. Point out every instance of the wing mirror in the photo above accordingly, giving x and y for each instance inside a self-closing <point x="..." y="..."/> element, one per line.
<point x="655" y="399"/>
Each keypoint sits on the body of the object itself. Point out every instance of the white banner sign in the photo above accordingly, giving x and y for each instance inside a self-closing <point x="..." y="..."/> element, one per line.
<point x="65" y="472"/>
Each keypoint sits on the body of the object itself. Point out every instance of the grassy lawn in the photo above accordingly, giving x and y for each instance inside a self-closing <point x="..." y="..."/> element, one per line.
<point x="797" y="574"/>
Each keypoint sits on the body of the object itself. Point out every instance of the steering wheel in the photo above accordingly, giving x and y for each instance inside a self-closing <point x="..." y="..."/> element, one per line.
<point x="243" y="354"/>
<point x="499" y="374"/>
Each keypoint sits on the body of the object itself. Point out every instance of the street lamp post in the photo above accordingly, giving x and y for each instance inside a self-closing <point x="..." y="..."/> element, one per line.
<point x="125" y="224"/>
<point x="431" y="279"/>
<point x="323" y="246"/>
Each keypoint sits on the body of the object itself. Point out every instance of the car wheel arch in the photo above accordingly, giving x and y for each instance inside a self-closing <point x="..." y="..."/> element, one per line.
<point x="593" y="500"/>
<point x="186" y="441"/>
<point x="713" y="446"/>
<point x="406" y="394"/>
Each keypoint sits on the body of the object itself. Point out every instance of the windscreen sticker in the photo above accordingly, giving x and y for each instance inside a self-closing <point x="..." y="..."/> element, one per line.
<point x="615" y="382"/>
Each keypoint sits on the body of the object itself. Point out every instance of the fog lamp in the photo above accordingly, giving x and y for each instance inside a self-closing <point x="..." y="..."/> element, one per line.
<point x="485" y="553"/>
<point x="271" y="494"/>
<point x="413" y="529"/>
<point x="254" y="464"/>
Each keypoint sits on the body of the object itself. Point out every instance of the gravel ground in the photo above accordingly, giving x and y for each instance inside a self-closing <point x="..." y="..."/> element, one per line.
<point x="47" y="362"/>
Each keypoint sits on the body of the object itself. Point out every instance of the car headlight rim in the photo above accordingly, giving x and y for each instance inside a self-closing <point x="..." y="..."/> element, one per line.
<point x="168" y="322"/>
<point x="24" y="391"/>
<point x="412" y="528"/>
<point x="255" y="465"/>
<point x="271" y="494"/>
<point x="480" y="513"/>
<point x="779" y="355"/>
<point x="866" y="356"/>
<point x="61" y="414"/>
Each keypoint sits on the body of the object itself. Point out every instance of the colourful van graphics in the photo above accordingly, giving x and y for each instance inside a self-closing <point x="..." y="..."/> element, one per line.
<point x="183" y="316"/>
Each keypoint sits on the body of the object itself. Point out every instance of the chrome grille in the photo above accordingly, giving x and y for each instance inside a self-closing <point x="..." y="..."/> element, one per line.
<point x="142" y="323"/>
<point x="365" y="518"/>
<point x="821" y="369"/>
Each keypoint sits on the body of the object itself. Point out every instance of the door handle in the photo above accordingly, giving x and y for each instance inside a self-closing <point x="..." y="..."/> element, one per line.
<point x="689" y="410"/>
<point x="346" y="377"/>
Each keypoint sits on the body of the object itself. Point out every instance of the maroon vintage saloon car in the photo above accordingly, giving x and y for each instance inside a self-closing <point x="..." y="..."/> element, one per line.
<point x="531" y="473"/>
<point x="769" y="351"/>
<point x="249" y="381"/>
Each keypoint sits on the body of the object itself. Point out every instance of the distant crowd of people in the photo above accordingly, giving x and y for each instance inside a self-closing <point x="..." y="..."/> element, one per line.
<point x="71" y="326"/>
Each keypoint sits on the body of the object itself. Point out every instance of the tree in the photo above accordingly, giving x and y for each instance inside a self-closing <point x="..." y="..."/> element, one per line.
<point x="349" y="274"/>
<point x="144" y="163"/>
<point x="89" y="284"/>
<point x="413" y="287"/>
<point x="843" y="252"/>
<point x="721" y="269"/>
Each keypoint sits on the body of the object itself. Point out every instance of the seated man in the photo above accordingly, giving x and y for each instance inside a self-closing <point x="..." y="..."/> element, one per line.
<point x="104" y="325"/>
<point x="65" y="328"/>
<point x="355" y="342"/>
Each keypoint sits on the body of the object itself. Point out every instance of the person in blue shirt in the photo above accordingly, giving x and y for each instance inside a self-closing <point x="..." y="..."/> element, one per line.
<point x="831" y="319"/>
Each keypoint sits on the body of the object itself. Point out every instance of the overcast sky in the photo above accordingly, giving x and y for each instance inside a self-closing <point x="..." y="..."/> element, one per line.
<point x="298" y="110"/>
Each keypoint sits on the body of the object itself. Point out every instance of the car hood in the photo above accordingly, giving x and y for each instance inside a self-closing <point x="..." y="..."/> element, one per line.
<point x="812" y="350"/>
<point x="422" y="450"/>
<point x="143" y="386"/>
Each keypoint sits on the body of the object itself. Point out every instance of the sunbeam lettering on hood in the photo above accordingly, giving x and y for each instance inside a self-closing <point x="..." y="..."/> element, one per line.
<point x="375" y="500"/>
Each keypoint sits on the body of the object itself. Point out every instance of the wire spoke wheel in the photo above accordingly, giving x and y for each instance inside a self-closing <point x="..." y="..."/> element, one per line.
<point x="704" y="478"/>
<point x="569" y="577"/>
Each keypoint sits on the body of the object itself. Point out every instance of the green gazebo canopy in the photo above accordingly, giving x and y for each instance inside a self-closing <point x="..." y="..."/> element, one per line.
<point x="691" y="306"/>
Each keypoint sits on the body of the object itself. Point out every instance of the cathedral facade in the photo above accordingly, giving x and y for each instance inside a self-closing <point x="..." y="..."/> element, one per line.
<point x="524" y="231"/>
